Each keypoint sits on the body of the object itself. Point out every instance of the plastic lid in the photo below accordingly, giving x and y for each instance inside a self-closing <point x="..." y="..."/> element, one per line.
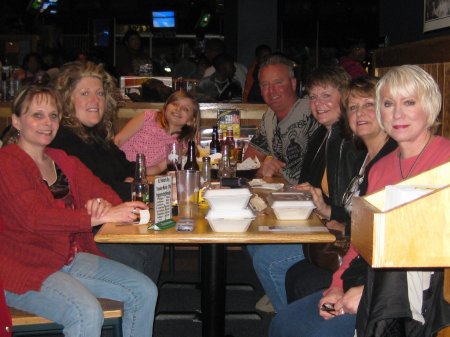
<point x="230" y="214"/>
<point x="290" y="199"/>
<point x="226" y="192"/>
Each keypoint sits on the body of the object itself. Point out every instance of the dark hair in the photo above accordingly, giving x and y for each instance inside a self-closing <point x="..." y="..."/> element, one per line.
<point x="38" y="58"/>
<point x="361" y="86"/>
<point x="216" y="45"/>
<point x="221" y="60"/>
<point x="128" y="34"/>
<point x="262" y="48"/>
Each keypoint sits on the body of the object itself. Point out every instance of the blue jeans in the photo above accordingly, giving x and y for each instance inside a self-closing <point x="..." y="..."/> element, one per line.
<point x="301" y="319"/>
<point x="271" y="262"/>
<point x="69" y="297"/>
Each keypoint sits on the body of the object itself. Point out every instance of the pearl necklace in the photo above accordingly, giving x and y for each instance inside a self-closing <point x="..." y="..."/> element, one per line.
<point x="415" y="161"/>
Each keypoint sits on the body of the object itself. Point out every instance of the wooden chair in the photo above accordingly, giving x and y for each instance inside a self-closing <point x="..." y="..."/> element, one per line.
<point x="24" y="322"/>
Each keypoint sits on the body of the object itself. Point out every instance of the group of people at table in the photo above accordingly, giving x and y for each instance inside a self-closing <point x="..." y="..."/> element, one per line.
<point x="65" y="173"/>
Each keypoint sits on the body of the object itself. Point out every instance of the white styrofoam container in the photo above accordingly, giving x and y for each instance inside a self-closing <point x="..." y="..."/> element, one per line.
<point x="228" y="199"/>
<point x="291" y="205"/>
<point x="230" y="220"/>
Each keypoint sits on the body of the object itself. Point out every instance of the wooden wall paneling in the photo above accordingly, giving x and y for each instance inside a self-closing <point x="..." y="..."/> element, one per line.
<point x="434" y="50"/>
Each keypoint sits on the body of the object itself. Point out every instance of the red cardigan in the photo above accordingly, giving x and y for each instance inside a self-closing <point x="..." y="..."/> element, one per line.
<point x="38" y="228"/>
<point x="5" y="317"/>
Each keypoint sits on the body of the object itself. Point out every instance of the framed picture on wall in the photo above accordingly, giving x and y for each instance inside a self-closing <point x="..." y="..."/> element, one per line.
<point x="436" y="14"/>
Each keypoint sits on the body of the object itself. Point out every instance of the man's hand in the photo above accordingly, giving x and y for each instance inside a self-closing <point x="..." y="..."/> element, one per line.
<point x="271" y="167"/>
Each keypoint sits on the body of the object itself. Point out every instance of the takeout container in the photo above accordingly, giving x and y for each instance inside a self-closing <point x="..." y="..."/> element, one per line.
<point x="230" y="220"/>
<point x="291" y="205"/>
<point x="228" y="199"/>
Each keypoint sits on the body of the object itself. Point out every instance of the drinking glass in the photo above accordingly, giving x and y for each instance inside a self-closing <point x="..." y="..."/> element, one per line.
<point x="174" y="156"/>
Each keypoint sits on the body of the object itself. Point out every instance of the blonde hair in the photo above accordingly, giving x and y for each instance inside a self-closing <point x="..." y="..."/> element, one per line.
<point x="188" y="131"/>
<point x="411" y="80"/>
<point x="69" y="76"/>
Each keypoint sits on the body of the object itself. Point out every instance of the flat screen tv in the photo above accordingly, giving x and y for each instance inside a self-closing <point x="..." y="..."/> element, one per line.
<point x="163" y="19"/>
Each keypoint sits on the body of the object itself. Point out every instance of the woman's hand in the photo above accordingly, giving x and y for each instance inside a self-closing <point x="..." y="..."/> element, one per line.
<point x="348" y="304"/>
<point x="322" y="208"/>
<point x="332" y="297"/>
<point x="125" y="212"/>
<point x="97" y="207"/>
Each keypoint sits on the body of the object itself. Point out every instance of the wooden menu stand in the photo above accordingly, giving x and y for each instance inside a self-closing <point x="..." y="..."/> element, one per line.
<point x="415" y="234"/>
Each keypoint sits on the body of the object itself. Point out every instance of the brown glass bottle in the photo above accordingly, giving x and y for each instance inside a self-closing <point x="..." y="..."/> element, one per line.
<point x="229" y="141"/>
<point x="191" y="162"/>
<point x="214" y="146"/>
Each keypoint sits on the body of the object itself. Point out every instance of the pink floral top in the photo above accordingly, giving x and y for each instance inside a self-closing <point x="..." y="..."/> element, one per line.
<point x="150" y="140"/>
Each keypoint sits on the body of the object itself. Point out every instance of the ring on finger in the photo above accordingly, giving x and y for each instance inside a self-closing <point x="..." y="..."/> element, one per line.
<point x="134" y="210"/>
<point x="341" y="312"/>
<point x="99" y="200"/>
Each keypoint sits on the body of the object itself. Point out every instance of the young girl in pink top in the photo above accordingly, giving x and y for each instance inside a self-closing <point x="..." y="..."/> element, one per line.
<point x="151" y="130"/>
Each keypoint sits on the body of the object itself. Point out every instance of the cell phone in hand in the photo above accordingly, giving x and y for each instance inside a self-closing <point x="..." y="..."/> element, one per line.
<point x="328" y="307"/>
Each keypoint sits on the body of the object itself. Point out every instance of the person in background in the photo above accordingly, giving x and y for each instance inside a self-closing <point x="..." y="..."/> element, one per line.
<point x="352" y="62"/>
<point x="86" y="132"/>
<point x="131" y="56"/>
<point x="50" y="202"/>
<point x="33" y="69"/>
<point x="221" y="85"/>
<point x="215" y="47"/>
<point x="287" y="122"/>
<point x="411" y="300"/>
<point x="252" y="92"/>
<point x="151" y="130"/>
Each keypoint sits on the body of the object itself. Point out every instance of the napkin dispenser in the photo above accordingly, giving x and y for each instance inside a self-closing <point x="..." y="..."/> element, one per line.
<point x="414" y="234"/>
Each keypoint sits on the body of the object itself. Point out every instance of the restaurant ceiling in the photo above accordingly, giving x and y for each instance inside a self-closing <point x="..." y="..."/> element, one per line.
<point x="299" y="19"/>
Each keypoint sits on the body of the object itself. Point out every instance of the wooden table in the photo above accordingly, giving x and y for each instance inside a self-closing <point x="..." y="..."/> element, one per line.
<point x="213" y="253"/>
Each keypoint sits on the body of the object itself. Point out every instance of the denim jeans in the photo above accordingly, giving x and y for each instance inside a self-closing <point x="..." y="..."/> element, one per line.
<point x="69" y="297"/>
<point x="271" y="262"/>
<point x="301" y="318"/>
<point x="146" y="258"/>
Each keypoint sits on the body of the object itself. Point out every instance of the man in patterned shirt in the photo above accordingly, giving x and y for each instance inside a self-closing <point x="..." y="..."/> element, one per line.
<point x="286" y="127"/>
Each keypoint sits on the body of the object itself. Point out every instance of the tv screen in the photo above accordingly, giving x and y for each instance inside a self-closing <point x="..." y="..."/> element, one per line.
<point x="163" y="19"/>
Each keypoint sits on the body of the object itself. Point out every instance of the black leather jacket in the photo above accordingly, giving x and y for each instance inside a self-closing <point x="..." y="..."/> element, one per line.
<point x="342" y="160"/>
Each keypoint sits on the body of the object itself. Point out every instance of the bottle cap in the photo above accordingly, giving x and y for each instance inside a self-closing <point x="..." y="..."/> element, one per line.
<point x="206" y="159"/>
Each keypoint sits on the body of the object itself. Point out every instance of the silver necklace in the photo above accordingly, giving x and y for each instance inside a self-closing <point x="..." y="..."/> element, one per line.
<point x="415" y="161"/>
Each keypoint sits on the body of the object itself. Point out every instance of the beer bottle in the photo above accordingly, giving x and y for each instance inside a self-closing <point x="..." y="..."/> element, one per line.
<point x="191" y="163"/>
<point x="221" y="140"/>
<point x="214" y="146"/>
<point x="205" y="177"/>
<point x="139" y="187"/>
<point x="230" y="138"/>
